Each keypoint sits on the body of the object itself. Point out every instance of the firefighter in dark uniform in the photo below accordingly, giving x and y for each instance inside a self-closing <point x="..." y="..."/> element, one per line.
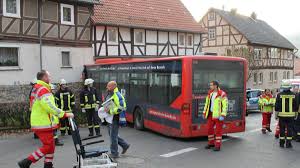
<point x="297" y="119"/>
<point x="286" y="107"/>
<point x="65" y="100"/>
<point x="89" y="102"/>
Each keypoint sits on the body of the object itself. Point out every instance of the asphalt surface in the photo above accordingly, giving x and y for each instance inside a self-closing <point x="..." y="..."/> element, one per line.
<point x="250" y="149"/>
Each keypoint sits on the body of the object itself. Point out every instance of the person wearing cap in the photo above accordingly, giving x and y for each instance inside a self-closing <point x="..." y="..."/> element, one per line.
<point x="286" y="107"/>
<point x="215" y="111"/>
<point x="89" y="103"/>
<point x="65" y="100"/>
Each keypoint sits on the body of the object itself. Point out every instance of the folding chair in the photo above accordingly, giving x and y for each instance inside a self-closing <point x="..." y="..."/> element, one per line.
<point x="90" y="157"/>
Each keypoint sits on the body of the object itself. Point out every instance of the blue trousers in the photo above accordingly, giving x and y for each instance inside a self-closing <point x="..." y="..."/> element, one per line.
<point x="115" y="140"/>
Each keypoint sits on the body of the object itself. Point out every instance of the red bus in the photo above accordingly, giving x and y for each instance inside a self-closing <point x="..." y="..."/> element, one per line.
<point x="167" y="95"/>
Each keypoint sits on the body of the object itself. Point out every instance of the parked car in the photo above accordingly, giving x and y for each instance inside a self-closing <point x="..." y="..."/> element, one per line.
<point x="252" y="99"/>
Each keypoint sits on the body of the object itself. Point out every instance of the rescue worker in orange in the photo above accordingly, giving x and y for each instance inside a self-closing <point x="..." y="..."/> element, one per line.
<point x="42" y="107"/>
<point x="215" y="111"/>
<point x="267" y="103"/>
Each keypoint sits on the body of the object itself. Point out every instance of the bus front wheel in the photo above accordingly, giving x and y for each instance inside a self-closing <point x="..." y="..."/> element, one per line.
<point x="138" y="119"/>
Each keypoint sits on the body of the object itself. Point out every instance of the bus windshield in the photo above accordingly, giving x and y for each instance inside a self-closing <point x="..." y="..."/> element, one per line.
<point x="229" y="74"/>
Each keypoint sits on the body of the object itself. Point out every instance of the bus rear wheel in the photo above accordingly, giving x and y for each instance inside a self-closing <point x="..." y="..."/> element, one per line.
<point x="138" y="119"/>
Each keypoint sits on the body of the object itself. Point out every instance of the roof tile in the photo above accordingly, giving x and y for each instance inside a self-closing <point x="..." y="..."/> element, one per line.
<point x="153" y="14"/>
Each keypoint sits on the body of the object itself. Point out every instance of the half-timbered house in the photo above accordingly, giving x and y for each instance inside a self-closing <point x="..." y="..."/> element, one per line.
<point x="271" y="56"/>
<point x="44" y="34"/>
<point x="149" y="28"/>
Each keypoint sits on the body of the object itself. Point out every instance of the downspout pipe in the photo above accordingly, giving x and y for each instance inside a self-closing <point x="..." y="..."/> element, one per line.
<point x="40" y="33"/>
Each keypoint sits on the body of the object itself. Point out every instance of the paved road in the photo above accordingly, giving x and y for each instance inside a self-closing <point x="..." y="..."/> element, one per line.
<point x="150" y="150"/>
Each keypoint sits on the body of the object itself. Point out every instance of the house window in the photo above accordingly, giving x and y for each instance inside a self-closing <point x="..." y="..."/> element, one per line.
<point x="257" y="53"/>
<point x="228" y="52"/>
<point x="211" y="16"/>
<point x="273" y="53"/>
<point x="67" y="14"/>
<point x="65" y="55"/>
<point x="255" y="78"/>
<point x="139" y="37"/>
<point x="261" y="78"/>
<point x="211" y="34"/>
<point x="284" y="74"/>
<point x="289" y="54"/>
<point x="181" y="40"/>
<point x="112" y="34"/>
<point x="275" y="77"/>
<point x="288" y="75"/>
<point x="11" y="8"/>
<point x="271" y="77"/>
<point x="9" y="56"/>
<point x="190" y="40"/>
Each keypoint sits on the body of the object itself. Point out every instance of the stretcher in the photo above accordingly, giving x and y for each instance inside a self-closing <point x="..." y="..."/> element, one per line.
<point x="88" y="157"/>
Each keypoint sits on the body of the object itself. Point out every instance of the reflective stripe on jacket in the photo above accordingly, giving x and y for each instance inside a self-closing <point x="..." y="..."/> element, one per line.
<point x="65" y="100"/>
<point x="119" y="100"/>
<point x="220" y="105"/>
<point x="43" y="107"/>
<point x="266" y="103"/>
<point x="89" y="98"/>
<point x="286" y="104"/>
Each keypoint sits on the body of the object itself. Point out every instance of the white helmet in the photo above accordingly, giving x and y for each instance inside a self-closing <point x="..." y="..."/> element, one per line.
<point x="88" y="81"/>
<point x="63" y="82"/>
<point x="285" y="84"/>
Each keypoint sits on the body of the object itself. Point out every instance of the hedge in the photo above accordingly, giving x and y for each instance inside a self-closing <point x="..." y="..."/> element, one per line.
<point x="17" y="116"/>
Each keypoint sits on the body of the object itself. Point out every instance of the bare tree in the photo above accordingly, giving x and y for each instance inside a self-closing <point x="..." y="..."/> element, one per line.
<point x="246" y="53"/>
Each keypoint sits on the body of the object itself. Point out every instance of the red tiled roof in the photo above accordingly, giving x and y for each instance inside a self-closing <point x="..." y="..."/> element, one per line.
<point x="153" y="14"/>
<point x="297" y="66"/>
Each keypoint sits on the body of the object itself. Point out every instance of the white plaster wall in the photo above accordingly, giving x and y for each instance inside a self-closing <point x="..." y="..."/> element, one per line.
<point x="267" y="84"/>
<point x="112" y="50"/>
<point x="29" y="61"/>
<point x="125" y="33"/>
<point x="163" y="37"/>
<point x="173" y="37"/>
<point x="78" y="56"/>
<point x="151" y="36"/>
<point x="29" y="64"/>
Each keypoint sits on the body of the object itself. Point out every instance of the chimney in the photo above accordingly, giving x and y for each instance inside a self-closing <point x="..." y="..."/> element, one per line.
<point x="233" y="11"/>
<point x="253" y="16"/>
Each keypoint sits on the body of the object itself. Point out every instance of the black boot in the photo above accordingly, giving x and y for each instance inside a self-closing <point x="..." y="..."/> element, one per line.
<point x="62" y="132"/>
<point x="209" y="146"/>
<point x="58" y="142"/>
<point x="48" y="165"/>
<point x="91" y="131"/>
<point x="269" y="129"/>
<point x="69" y="132"/>
<point x="289" y="144"/>
<point x="281" y="143"/>
<point x="25" y="163"/>
<point x="35" y="136"/>
<point x="97" y="130"/>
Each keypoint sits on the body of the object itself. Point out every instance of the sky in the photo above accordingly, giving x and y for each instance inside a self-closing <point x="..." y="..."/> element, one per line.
<point x="283" y="15"/>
